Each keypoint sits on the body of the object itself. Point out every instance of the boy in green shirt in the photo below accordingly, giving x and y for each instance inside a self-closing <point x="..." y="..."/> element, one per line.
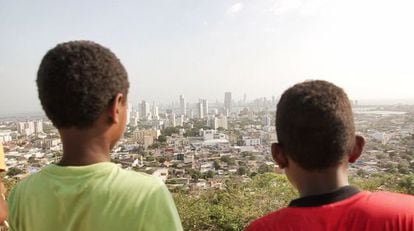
<point x="83" y="89"/>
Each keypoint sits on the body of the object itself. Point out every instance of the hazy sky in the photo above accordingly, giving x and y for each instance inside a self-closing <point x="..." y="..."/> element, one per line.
<point x="202" y="48"/>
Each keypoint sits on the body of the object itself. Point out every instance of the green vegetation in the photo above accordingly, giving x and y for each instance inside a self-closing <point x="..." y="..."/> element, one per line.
<point x="234" y="207"/>
<point x="14" y="171"/>
<point x="168" y="132"/>
<point x="243" y="199"/>
<point x="228" y="160"/>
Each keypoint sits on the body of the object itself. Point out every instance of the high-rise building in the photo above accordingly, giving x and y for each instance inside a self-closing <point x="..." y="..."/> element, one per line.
<point x="217" y="122"/>
<point x="183" y="109"/>
<point x="145" y="110"/>
<point x="227" y="102"/>
<point x="181" y="121"/>
<point x="173" y="122"/>
<point x="155" y="115"/>
<point x="212" y="122"/>
<point x="21" y="127"/>
<point x="222" y="122"/>
<point x="267" y="120"/>
<point x="205" y="107"/>
<point x="27" y="128"/>
<point x="200" y="110"/>
<point x="39" y="127"/>
<point x="128" y="114"/>
<point x="133" y="121"/>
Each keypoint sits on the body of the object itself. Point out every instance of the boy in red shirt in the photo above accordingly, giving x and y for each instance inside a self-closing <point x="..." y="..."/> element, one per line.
<point x="317" y="140"/>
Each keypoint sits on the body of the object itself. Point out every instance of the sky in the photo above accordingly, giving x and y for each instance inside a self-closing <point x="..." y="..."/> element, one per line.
<point x="203" y="48"/>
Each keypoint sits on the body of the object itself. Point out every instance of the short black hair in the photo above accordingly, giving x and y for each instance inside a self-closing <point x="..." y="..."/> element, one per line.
<point x="315" y="125"/>
<point x="77" y="80"/>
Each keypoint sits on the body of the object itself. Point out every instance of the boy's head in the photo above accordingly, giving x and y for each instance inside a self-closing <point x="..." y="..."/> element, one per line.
<point x="315" y="126"/>
<point x="79" y="80"/>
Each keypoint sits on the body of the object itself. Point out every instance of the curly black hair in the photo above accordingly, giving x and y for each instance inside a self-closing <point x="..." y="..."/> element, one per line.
<point x="315" y="125"/>
<point x="77" y="80"/>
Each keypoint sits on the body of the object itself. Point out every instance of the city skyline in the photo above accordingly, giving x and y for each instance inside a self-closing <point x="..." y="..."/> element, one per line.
<point x="205" y="48"/>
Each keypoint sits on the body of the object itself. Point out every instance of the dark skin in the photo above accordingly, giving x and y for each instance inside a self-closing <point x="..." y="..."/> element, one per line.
<point x="93" y="145"/>
<point x="310" y="183"/>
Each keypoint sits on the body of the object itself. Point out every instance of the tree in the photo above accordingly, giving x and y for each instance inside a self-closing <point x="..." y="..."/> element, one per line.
<point x="235" y="206"/>
<point x="31" y="159"/>
<point x="192" y="132"/>
<point x="406" y="184"/>
<point x="14" y="171"/>
<point x="161" y="159"/>
<point x="221" y="129"/>
<point x="195" y="174"/>
<point x="209" y="174"/>
<point x="263" y="168"/>
<point x="242" y="171"/>
<point x="150" y="158"/>
<point x="169" y="131"/>
<point x="162" y="139"/>
<point x="216" y="165"/>
<point x="228" y="160"/>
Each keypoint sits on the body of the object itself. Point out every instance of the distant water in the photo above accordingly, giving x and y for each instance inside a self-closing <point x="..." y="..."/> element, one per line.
<point x="378" y="112"/>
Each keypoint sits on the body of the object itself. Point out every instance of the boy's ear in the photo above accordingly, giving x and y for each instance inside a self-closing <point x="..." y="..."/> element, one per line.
<point x="357" y="150"/>
<point x="279" y="156"/>
<point x="114" y="109"/>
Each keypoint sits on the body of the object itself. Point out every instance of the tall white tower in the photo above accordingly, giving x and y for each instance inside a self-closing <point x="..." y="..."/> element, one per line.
<point x="200" y="110"/>
<point x="227" y="102"/>
<point x="183" y="109"/>
<point x="145" y="110"/>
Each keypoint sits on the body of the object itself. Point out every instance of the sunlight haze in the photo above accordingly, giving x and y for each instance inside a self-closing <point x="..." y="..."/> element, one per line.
<point x="204" y="48"/>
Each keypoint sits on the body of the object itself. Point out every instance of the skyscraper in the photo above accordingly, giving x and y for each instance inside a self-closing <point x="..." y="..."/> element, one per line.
<point x="183" y="109"/>
<point x="227" y="102"/>
<point x="39" y="127"/>
<point x="145" y="110"/>
<point x="155" y="115"/>
<point x="200" y="110"/>
<point x="173" y="121"/>
<point x="205" y="107"/>
<point x="128" y="114"/>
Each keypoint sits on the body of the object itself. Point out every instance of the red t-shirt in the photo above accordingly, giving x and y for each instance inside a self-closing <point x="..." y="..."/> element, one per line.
<point x="344" y="210"/>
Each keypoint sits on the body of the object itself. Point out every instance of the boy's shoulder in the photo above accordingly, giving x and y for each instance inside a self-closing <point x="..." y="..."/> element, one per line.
<point x="103" y="173"/>
<point x="367" y="206"/>
<point x="270" y="221"/>
<point x="386" y="203"/>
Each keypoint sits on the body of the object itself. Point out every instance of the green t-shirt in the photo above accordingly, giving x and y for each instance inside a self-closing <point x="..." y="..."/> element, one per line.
<point x="95" y="197"/>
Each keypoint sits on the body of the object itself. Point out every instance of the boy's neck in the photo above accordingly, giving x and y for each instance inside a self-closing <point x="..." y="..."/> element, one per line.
<point x="320" y="182"/>
<point x="84" y="147"/>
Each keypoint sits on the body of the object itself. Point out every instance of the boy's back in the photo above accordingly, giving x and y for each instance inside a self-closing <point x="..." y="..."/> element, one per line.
<point x="83" y="89"/>
<point x="361" y="211"/>
<point x="95" y="197"/>
<point x="316" y="143"/>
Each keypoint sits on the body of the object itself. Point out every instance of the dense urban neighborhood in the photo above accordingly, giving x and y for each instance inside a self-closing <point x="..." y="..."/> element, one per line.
<point x="215" y="158"/>
<point x="192" y="147"/>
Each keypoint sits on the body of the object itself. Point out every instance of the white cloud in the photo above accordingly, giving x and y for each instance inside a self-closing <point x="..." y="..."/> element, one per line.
<point x="303" y="7"/>
<point x="312" y="7"/>
<point x="283" y="6"/>
<point x="235" y="8"/>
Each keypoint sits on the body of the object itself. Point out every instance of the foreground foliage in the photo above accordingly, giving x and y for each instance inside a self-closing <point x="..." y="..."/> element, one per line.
<point x="244" y="200"/>
<point x="233" y="208"/>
